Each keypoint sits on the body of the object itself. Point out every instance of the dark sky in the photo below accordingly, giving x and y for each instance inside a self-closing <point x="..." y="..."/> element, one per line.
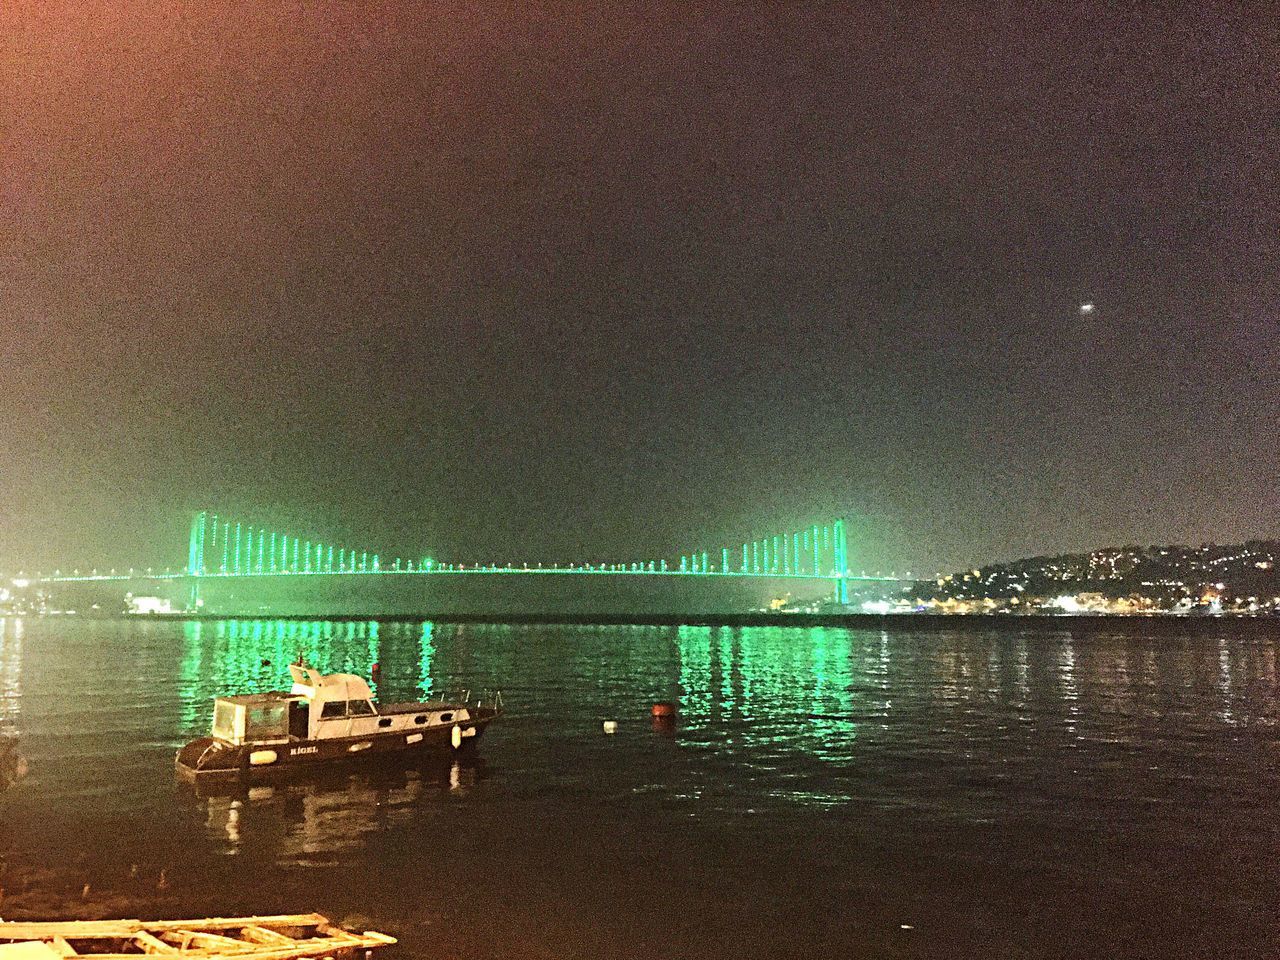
<point x="544" y="281"/>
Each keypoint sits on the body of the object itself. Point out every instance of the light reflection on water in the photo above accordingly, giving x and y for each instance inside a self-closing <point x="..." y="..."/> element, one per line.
<point x="11" y="631"/>
<point x="1009" y="748"/>
<point x="317" y="820"/>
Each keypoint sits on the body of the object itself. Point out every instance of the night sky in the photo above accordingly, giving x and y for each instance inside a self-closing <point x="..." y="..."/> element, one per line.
<point x="539" y="281"/>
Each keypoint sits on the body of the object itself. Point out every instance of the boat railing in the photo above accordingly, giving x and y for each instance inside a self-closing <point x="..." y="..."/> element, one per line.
<point x="485" y="699"/>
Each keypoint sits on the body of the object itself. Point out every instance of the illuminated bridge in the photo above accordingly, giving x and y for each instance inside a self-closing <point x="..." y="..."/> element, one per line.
<point x="222" y="548"/>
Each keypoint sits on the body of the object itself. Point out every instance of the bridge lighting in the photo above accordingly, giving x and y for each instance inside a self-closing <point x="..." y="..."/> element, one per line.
<point x="824" y="555"/>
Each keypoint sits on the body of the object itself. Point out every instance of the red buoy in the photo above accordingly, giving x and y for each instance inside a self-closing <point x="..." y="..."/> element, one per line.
<point x="663" y="708"/>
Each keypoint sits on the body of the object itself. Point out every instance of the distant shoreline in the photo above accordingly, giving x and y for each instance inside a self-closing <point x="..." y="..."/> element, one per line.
<point x="758" y="619"/>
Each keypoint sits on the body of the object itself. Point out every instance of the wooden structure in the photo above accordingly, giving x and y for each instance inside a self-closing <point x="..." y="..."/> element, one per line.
<point x="245" y="938"/>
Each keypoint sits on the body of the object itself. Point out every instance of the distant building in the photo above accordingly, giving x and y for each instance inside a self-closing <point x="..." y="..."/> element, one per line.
<point x="148" y="605"/>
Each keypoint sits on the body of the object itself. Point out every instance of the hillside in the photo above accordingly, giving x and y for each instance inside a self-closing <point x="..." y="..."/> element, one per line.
<point x="1238" y="577"/>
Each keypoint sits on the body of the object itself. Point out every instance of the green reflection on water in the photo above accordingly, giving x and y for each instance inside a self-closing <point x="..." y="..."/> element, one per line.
<point x="427" y="656"/>
<point x="832" y="658"/>
<point x="694" y="647"/>
<point x="765" y="686"/>
<point x="252" y="656"/>
<point x="249" y="656"/>
<point x="190" y="673"/>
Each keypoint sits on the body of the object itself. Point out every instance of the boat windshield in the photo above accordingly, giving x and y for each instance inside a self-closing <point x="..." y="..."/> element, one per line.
<point x="267" y="722"/>
<point x="224" y="720"/>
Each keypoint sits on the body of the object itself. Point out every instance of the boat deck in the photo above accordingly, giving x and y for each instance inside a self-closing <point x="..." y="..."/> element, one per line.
<point x="389" y="709"/>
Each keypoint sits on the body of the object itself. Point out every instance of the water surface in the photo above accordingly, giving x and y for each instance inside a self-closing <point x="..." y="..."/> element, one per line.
<point x="1015" y="788"/>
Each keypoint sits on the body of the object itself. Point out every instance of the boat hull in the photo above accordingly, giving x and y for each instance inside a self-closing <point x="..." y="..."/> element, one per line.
<point x="209" y="759"/>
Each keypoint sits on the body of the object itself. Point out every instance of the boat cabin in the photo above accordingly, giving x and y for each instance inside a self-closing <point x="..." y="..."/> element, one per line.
<point x="261" y="718"/>
<point x="320" y="707"/>
<point x="325" y="717"/>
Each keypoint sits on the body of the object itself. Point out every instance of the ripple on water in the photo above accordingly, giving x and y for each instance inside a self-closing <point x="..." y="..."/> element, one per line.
<point x="1013" y="788"/>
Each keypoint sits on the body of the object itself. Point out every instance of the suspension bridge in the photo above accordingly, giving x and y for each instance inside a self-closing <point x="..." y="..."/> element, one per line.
<point x="223" y="548"/>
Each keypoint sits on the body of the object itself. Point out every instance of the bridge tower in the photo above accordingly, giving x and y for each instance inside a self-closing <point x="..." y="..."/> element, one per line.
<point x="840" y="555"/>
<point x="195" y="558"/>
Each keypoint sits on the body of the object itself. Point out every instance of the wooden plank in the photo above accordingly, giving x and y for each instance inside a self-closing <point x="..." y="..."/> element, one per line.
<point x="213" y="940"/>
<point x="229" y="923"/>
<point x="70" y="929"/>
<point x="73" y="929"/>
<point x="257" y="934"/>
<point x="302" y="950"/>
<point x="196" y="939"/>
<point x="329" y="930"/>
<point x="152" y="944"/>
<point x="28" y="950"/>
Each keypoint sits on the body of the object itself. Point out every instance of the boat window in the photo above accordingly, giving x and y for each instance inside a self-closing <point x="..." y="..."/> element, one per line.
<point x="224" y="720"/>
<point x="333" y="709"/>
<point x="446" y="717"/>
<point x="420" y="719"/>
<point x="384" y="722"/>
<point x="359" y="708"/>
<point x="267" y="722"/>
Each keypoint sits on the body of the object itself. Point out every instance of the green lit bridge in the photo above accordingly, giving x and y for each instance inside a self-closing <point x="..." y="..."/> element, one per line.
<point x="223" y="548"/>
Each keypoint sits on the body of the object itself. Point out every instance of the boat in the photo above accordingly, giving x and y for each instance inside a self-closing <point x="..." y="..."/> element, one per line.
<point x="247" y="938"/>
<point x="328" y="718"/>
